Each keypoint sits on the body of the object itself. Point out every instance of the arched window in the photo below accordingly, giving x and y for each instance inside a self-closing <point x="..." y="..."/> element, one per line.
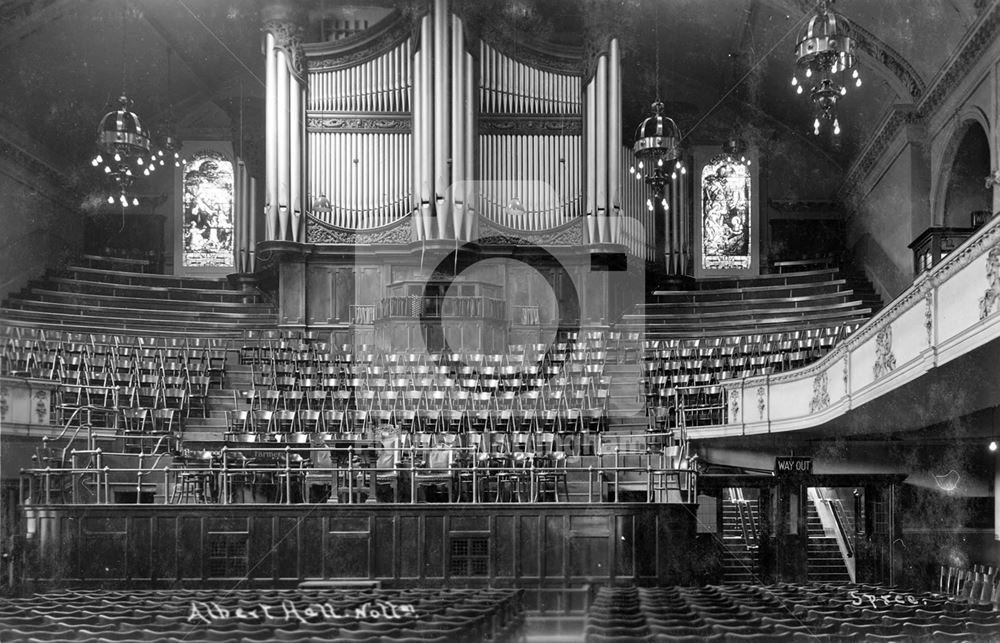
<point x="208" y="210"/>
<point x="725" y="220"/>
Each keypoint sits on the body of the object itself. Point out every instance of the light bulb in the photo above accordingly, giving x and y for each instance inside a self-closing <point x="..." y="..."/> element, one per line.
<point x="640" y="165"/>
<point x="638" y="177"/>
<point x="836" y="127"/>
<point x="128" y="172"/>
<point x="993" y="445"/>
<point x="809" y="72"/>
<point x="674" y="176"/>
<point x="855" y="74"/>
<point x="161" y="161"/>
<point x="659" y="162"/>
<point x="795" y="81"/>
<point x="135" y="200"/>
<point x="649" y="205"/>
<point x="858" y="82"/>
<point x="124" y="201"/>
<point x="160" y="152"/>
<point x="843" y="91"/>
<point x="146" y="172"/>
<point x="663" y="202"/>
<point x="178" y="164"/>
<point x="177" y="156"/>
<point x="111" y="200"/>
<point x="107" y="169"/>
<point x="98" y="159"/>
<point x="94" y="162"/>
<point x="748" y="162"/>
<point x="118" y="157"/>
<point x="139" y="161"/>
<point x="798" y="90"/>
<point x="684" y="170"/>
<point x="816" y="127"/>
<point x="631" y="170"/>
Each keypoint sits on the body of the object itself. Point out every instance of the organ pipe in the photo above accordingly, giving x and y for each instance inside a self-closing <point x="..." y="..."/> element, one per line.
<point x="282" y="143"/>
<point x="270" y="134"/>
<point x="295" y="157"/>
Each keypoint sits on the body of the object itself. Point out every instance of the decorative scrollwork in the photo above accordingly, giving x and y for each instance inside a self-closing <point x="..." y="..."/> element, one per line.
<point x="885" y="361"/>
<point x="398" y="233"/>
<point x="569" y="234"/>
<point x="288" y="38"/>
<point x="929" y="317"/>
<point x="359" y="124"/>
<point x="821" y="394"/>
<point x="733" y="395"/>
<point x="989" y="298"/>
<point x="555" y="125"/>
<point x="761" y="402"/>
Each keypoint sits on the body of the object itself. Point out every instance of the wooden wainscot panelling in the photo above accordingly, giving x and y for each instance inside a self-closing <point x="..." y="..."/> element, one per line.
<point x="292" y="289"/>
<point x="540" y="548"/>
<point x="320" y="289"/>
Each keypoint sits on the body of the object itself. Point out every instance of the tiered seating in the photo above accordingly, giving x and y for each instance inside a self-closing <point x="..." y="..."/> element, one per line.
<point x="94" y="294"/>
<point x="730" y="329"/>
<point x="142" y="385"/>
<point x="810" y="612"/>
<point x="302" y="615"/>
<point x="769" y="303"/>
<point x="688" y="373"/>
<point x="302" y="385"/>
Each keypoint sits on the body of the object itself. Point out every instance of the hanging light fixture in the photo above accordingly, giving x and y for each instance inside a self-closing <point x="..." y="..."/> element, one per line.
<point x="123" y="151"/>
<point x="824" y="58"/>
<point x="170" y="148"/>
<point x="123" y="145"/>
<point x="734" y="151"/>
<point x="657" y="145"/>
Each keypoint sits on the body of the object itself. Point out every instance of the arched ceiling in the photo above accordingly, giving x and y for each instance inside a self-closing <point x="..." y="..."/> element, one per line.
<point x="63" y="63"/>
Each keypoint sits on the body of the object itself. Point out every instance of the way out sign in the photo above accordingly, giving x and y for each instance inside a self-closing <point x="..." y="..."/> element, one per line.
<point x="790" y="465"/>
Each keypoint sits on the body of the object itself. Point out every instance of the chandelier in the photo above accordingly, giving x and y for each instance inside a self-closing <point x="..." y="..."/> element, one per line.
<point x="657" y="149"/>
<point x="123" y="151"/>
<point x="824" y="56"/>
<point x="734" y="152"/>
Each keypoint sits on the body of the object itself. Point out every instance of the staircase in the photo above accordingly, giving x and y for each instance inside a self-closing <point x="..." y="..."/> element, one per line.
<point x="739" y="557"/>
<point x="824" y="563"/>
<point x="94" y="295"/>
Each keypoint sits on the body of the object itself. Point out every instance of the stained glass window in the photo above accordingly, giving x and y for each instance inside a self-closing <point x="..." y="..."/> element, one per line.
<point x="208" y="210"/>
<point x="725" y="215"/>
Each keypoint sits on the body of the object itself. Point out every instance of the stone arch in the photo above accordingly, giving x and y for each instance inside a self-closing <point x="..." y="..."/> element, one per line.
<point x="967" y="161"/>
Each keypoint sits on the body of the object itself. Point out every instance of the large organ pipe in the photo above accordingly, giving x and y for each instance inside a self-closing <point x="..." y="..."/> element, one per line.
<point x="270" y="134"/>
<point x="283" y="124"/>
<point x="427" y="162"/>
<point x="456" y="127"/>
<point x="469" y="136"/>
<point x="295" y="156"/>
<point x="589" y="131"/>
<point x="442" y="142"/>
<point x="602" y="148"/>
<point x="615" y="134"/>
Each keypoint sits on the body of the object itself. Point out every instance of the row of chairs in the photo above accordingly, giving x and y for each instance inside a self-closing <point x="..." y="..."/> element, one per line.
<point x="415" y="615"/>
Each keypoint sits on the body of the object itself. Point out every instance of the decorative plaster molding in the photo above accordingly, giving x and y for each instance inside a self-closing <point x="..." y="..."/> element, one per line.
<point x="985" y="34"/>
<point x="989" y="298"/>
<point x="929" y="316"/>
<point x="397" y="233"/>
<point x="733" y="395"/>
<point x="559" y="125"/>
<point x="885" y="133"/>
<point x="888" y="58"/>
<point x="351" y="124"/>
<point x="761" y="402"/>
<point x="568" y="234"/>
<point x="885" y="361"/>
<point x="288" y="38"/>
<point x="821" y="394"/>
<point x="846" y="367"/>
<point x="359" y="48"/>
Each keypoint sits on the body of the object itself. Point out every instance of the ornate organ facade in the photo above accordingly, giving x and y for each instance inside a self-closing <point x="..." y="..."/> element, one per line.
<point x="424" y="139"/>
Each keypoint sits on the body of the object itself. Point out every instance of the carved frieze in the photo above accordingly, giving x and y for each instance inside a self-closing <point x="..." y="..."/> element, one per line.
<point x="761" y="402"/>
<point x="821" y="394"/>
<point x="733" y="395"/>
<point x="350" y="124"/>
<point x="929" y="316"/>
<point x="570" y="234"/>
<point x="399" y="233"/>
<point x="555" y="125"/>
<point x="885" y="361"/>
